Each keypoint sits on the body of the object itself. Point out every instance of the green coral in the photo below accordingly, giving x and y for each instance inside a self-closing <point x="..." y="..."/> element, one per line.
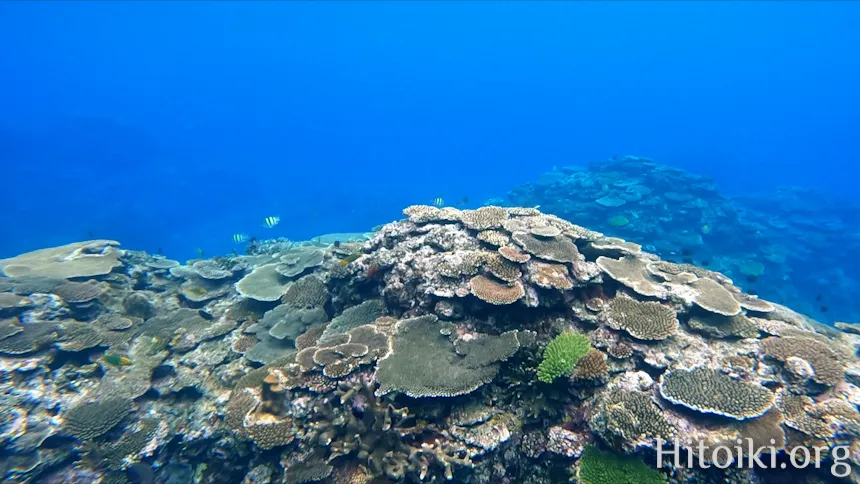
<point x="561" y="355"/>
<point x="599" y="467"/>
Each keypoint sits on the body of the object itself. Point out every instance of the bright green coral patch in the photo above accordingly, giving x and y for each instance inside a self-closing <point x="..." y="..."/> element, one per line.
<point x="561" y="355"/>
<point x="599" y="467"/>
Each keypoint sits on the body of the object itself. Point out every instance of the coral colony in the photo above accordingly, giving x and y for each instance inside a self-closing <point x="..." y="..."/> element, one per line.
<point x="496" y="345"/>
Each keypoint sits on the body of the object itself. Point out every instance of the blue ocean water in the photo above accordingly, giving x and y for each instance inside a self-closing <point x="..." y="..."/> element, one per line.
<point x="172" y="126"/>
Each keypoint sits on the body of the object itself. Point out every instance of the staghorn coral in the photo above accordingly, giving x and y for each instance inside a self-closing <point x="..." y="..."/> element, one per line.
<point x="560" y="249"/>
<point x="596" y="466"/>
<point x="711" y="391"/>
<point x="825" y="363"/>
<point x="561" y="356"/>
<point x="79" y="259"/>
<point x="91" y="420"/>
<point x="642" y="320"/>
<point x="306" y="293"/>
<point x="494" y="292"/>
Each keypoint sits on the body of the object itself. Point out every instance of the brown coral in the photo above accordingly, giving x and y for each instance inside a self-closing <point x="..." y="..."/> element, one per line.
<point x="306" y="293"/>
<point x="711" y="391"/>
<point x="494" y="237"/>
<point x="502" y="268"/>
<point x="825" y="363"/>
<point x="494" y="292"/>
<point x="514" y="254"/>
<point x="592" y="366"/>
<point x="548" y="275"/>
<point x="484" y="218"/>
<point x="642" y="320"/>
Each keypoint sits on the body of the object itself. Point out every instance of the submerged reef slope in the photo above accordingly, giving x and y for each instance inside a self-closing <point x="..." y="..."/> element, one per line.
<point x="496" y="345"/>
<point x="789" y="245"/>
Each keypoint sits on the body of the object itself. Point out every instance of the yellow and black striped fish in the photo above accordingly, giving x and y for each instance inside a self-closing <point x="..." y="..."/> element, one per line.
<point x="438" y="201"/>
<point x="270" y="222"/>
<point x="240" y="238"/>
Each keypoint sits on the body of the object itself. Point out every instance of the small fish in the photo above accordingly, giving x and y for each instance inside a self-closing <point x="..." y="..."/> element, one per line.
<point x="200" y="252"/>
<point x="160" y="251"/>
<point x="240" y="238"/>
<point x="824" y="309"/>
<point x="463" y="201"/>
<point x="706" y="229"/>
<point x="818" y="298"/>
<point x="349" y="259"/>
<point x="336" y="244"/>
<point x="438" y="201"/>
<point x="752" y="291"/>
<point x="706" y="263"/>
<point x="687" y="260"/>
<point x="116" y="360"/>
<point x="687" y="252"/>
<point x="235" y="254"/>
<point x="205" y="315"/>
<point x="90" y="234"/>
<point x="270" y="222"/>
<point x="752" y="278"/>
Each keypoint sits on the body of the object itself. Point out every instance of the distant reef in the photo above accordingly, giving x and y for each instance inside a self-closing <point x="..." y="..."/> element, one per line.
<point x="792" y="245"/>
<point x="496" y="345"/>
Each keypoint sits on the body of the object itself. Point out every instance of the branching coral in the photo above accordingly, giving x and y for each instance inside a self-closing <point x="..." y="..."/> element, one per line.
<point x="600" y="467"/>
<point x="561" y="356"/>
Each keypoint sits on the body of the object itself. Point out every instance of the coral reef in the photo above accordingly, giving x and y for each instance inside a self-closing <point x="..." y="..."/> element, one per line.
<point x="755" y="238"/>
<point x="494" y="345"/>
